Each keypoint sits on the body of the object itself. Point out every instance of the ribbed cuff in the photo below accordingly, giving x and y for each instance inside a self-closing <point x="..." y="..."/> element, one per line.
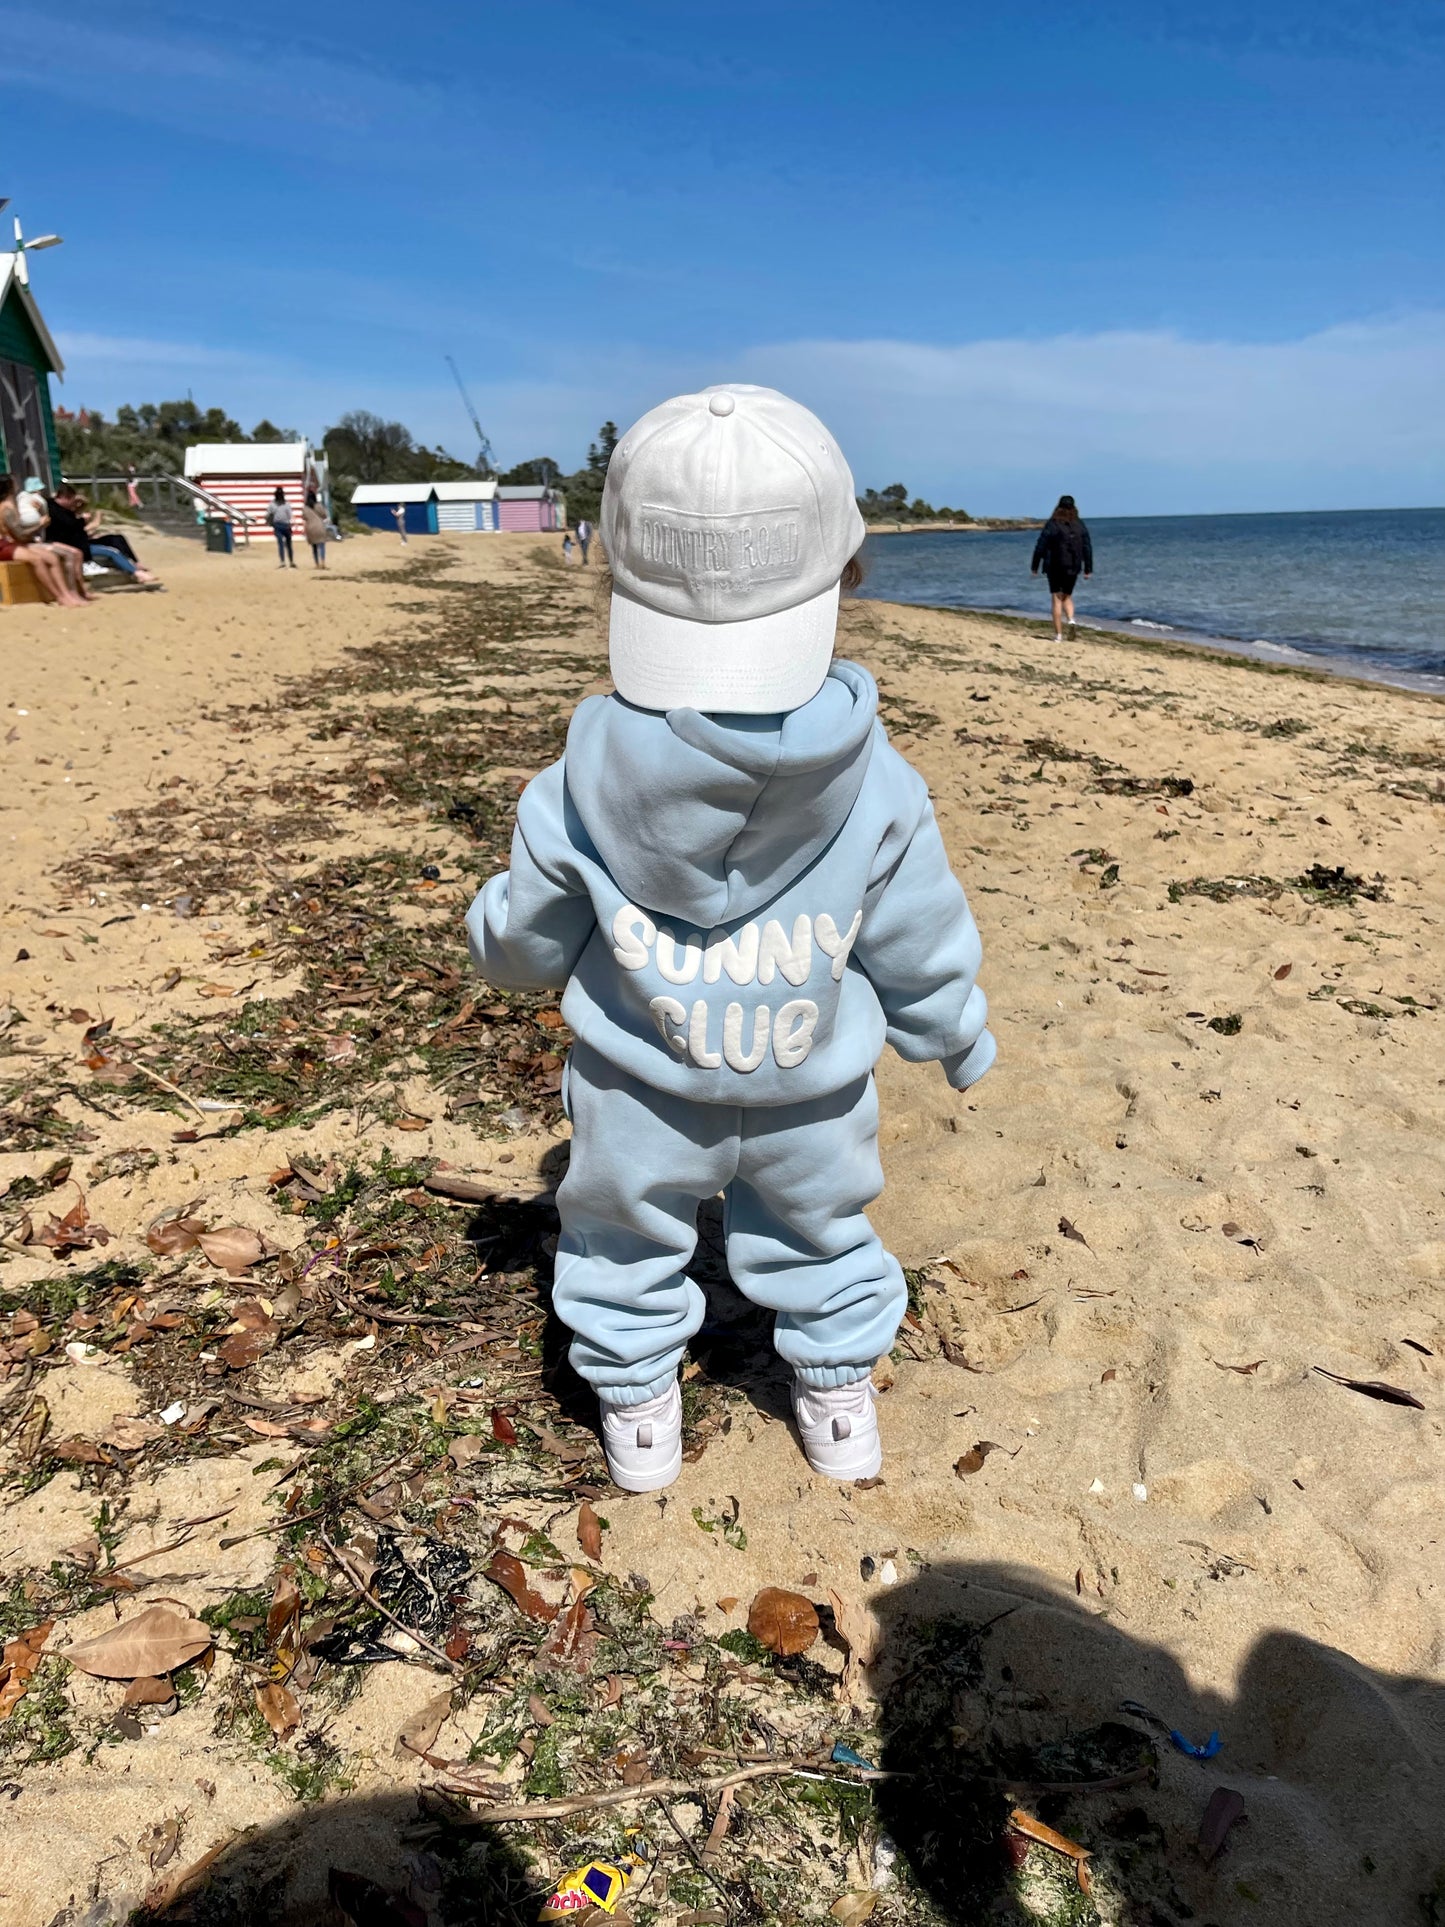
<point x="636" y="1394"/>
<point x="966" y="1067"/>
<point x="825" y="1378"/>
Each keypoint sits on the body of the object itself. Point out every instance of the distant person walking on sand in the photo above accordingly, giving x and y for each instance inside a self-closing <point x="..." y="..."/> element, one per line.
<point x="398" y="515"/>
<point x="1062" y="550"/>
<point x="314" y="523"/>
<point x="279" y="516"/>
<point x="567" y="548"/>
<point x="584" y="539"/>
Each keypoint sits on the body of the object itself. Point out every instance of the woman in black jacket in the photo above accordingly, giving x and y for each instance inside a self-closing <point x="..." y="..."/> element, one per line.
<point x="1062" y="551"/>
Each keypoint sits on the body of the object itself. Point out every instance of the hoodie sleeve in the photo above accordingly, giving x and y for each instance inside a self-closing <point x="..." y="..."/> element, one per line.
<point x="1088" y="548"/>
<point x="919" y="947"/>
<point x="529" y="925"/>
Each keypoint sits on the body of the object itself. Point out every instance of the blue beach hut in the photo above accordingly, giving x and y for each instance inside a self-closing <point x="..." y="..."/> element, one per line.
<point x="373" y="502"/>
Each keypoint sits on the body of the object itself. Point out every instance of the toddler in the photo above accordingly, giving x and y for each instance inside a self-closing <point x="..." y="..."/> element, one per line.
<point x="742" y="887"/>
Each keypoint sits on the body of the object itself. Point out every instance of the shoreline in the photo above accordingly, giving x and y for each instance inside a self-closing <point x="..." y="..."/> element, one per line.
<point x="1169" y="641"/>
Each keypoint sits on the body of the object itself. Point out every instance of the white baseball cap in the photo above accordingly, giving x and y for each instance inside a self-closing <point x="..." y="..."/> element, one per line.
<point x="728" y="518"/>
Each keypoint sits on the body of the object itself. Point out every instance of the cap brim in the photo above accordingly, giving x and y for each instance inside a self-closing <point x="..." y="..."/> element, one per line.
<point x="750" y="668"/>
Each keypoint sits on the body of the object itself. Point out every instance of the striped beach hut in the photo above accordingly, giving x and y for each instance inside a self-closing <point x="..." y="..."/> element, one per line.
<point x="246" y="475"/>
<point x="372" y="504"/>
<point x="530" y="509"/>
<point x="468" y="507"/>
<point x="28" y="357"/>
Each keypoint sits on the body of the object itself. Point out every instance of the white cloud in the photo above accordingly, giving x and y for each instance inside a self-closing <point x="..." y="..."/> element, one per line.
<point x="1130" y="422"/>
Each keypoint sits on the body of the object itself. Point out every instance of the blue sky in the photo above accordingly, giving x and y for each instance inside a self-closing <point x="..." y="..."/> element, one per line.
<point x="1172" y="258"/>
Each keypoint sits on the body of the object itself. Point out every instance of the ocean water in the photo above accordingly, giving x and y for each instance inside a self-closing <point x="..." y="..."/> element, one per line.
<point x="1358" y="591"/>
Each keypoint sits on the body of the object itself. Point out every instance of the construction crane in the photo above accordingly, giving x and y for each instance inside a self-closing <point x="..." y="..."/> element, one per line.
<point x="484" y="447"/>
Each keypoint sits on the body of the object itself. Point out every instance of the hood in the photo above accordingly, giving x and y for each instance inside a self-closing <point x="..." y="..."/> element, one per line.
<point x="706" y="818"/>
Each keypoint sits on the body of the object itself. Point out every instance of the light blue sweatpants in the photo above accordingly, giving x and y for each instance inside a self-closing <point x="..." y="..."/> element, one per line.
<point x="796" y="1178"/>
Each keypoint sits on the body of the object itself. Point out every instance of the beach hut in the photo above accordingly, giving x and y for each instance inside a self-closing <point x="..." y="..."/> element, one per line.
<point x="531" y="509"/>
<point x="372" y="504"/>
<point x="467" y="508"/>
<point x="28" y="358"/>
<point x="246" y="475"/>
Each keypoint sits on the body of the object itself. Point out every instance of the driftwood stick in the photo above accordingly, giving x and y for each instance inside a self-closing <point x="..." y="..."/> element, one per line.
<point x="649" y="1790"/>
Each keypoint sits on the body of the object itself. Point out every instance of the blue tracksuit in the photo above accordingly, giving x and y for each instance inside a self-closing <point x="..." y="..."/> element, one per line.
<point x="742" y="910"/>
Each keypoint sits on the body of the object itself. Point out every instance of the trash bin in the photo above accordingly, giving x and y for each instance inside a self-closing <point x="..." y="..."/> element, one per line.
<point x="220" y="537"/>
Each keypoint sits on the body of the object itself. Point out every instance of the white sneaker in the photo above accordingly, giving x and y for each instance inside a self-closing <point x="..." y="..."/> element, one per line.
<point x="839" y="1429"/>
<point x="643" y="1442"/>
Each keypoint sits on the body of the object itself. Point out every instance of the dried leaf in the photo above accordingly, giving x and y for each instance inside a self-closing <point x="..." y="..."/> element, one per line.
<point x="18" y="1661"/>
<point x="972" y="1460"/>
<point x="277" y="1707"/>
<point x="539" y="1712"/>
<point x="589" y="1532"/>
<point x="849" y="1909"/>
<point x="1375" y="1388"/>
<point x="284" y="1608"/>
<point x="149" y="1691"/>
<point x="1071" y="1230"/>
<point x="1283" y="972"/>
<point x="464" y="1448"/>
<point x="1047" y="1836"/>
<point x="79" y="1452"/>
<point x="1224" y="1811"/>
<point x="785" y="1622"/>
<point x="218" y="990"/>
<point x="244" y="1348"/>
<point x="168" y="1236"/>
<point x="1245" y="1371"/>
<point x="32" y="1429"/>
<point x="573" y="1639"/>
<point x="1108" y="1377"/>
<point x="155" y="1641"/>
<point x="728" y="1605"/>
<point x="231" y="1248"/>
<point x="130" y="1434"/>
<point x="419" y="1733"/>
<point x="1416" y="1346"/>
<point x="1230" y="1230"/>
<point x="411" y="1124"/>
<point x="503" y="1430"/>
<point x="507" y="1571"/>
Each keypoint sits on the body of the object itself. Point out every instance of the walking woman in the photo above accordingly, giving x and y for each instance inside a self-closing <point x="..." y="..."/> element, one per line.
<point x="314" y="523"/>
<point x="279" y="516"/>
<point x="1062" y="551"/>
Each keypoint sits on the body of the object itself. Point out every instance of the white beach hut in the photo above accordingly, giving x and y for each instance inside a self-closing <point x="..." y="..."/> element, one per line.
<point x="246" y="475"/>
<point x="468" y="507"/>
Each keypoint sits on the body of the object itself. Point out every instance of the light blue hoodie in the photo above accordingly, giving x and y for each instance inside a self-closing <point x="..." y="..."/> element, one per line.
<point x="743" y="909"/>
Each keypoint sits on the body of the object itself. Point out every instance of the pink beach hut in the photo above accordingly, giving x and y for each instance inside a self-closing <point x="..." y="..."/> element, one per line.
<point x="531" y="510"/>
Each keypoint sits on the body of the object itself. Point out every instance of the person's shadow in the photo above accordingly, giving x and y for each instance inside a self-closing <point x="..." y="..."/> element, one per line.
<point x="998" y="1693"/>
<point x="380" y="1860"/>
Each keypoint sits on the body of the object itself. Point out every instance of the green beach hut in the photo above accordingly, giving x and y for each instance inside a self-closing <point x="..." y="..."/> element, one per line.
<point x="28" y="358"/>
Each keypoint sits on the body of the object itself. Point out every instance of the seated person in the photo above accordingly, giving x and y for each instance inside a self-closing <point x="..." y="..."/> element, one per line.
<point x="72" y="524"/>
<point x="20" y="542"/>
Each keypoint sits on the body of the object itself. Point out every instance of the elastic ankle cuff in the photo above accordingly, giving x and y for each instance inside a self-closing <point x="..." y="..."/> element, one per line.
<point x="635" y="1394"/>
<point x="826" y="1378"/>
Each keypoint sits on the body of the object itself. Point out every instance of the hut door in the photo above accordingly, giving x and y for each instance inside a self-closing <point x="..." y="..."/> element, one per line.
<point x="22" y="424"/>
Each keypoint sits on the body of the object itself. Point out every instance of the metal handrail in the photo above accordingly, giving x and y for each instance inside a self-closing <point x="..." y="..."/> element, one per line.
<point x="172" y="483"/>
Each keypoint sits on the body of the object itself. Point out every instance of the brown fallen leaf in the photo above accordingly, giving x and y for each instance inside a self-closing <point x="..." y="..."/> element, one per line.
<point x="411" y="1124"/>
<point x="130" y="1434"/>
<point x="1375" y="1388"/>
<point x="232" y="1247"/>
<point x="1224" y="1811"/>
<point x="728" y="1605"/>
<point x="538" y="1710"/>
<point x="1245" y="1371"/>
<point x="244" y="1348"/>
<point x="32" y="1429"/>
<point x="1047" y="1836"/>
<point x="285" y="1607"/>
<point x="1071" y="1230"/>
<point x="158" y="1640"/>
<point x="419" y="1733"/>
<point x="1416" y="1346"/>
<point x="503" y="1430"/>
<point x="850" y="1909"/>
<point x="277" y="1707"/>
<point x="1283" y="972"/>
<point x="972" y="1460"/>
<point x="217" y="990"/>
<point x="507" y="1571"/>
<point x="589" y="1532"/>
<point x="785" y="1622"/>
<point x="169" y="1236"/>
<point x="1108" y="1377"/>
<point x="18" y="1660"/>
<point x="76" y="1231"/>
<point x="464" y="1448"/>
<point x="79" y="1452"/>
<point x="149" y="1691"/>
<point x="573" y="1638"/>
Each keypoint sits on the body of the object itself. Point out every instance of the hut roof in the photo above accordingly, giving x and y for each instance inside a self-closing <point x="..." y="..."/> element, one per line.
<point x="472" y="490"/>
<point x="11" y="284"/>
<point x="393" y="492"/>
<point x="533" y="492"/>
<point x="246" y="458"/>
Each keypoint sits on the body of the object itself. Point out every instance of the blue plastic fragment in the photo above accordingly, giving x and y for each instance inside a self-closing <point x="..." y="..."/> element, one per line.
<point x="845" y="1756"/>
<point x="1206" y="1752"/>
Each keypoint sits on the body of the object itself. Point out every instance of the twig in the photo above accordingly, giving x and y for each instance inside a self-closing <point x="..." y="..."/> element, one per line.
<point x="700" y="1860"/>
<point x="393" y="1317"/>
<point x="166" y="1085"/>
<point x="649" y="1790"/>
<point x="452" y="1666"/>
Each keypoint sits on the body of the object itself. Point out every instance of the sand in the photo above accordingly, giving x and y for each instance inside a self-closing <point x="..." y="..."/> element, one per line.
<point x="1206" y="1163"/>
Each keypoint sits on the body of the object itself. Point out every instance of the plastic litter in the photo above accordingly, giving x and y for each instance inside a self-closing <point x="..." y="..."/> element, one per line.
<point x="845" y="1756"/>
<point x="601" y="1883"/>
<point x="1204" y="1751"/>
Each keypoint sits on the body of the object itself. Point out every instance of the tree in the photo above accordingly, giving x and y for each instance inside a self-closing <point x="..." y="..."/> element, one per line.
<point x="540" y="472"/>
<point x="364" y="446"/>
<point x="267" y="431"/>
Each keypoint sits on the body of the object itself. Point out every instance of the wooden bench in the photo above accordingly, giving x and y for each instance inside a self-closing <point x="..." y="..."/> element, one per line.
<point x="19" y="583"/>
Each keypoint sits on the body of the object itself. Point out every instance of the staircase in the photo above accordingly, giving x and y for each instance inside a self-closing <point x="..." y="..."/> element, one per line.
<point x="170" y="503"/>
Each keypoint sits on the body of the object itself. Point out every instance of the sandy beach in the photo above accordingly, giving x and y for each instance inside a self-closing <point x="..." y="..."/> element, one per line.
<point x="1199" y="1193"/>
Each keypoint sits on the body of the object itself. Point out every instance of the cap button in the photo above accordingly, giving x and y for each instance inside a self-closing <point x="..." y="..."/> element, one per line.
<point x="723" y="404"/>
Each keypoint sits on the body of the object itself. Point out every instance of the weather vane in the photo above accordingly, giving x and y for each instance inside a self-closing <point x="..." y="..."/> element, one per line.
<point x="24" y="247"/>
